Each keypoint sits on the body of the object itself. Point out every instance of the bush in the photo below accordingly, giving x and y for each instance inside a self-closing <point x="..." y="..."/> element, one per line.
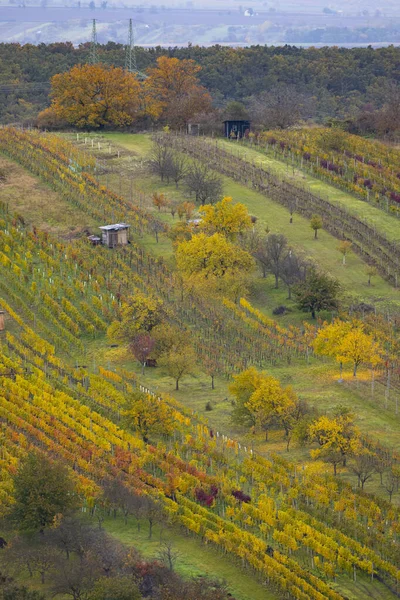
<point x="280" y="310"/>
<point x="209" y="406"/>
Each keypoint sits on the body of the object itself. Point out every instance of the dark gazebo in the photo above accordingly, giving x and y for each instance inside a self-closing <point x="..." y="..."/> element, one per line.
<point x="236" y="128"/>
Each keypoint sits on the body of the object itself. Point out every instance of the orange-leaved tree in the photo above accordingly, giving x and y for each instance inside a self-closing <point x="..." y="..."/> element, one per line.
<point x="175" y="85"/>
<point x="94" y="96"/>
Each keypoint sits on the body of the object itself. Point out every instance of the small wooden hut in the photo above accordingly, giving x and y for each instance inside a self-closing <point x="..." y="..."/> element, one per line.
<point x="115" y="235"/>
<point x="236" y="128"/>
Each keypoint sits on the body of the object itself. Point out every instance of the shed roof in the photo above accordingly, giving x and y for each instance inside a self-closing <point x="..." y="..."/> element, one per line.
<point x="115" y="227"/>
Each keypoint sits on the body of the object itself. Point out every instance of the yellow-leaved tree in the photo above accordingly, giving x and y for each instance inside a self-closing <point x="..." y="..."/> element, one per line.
<point x="94" y="96"/>
<point x="262" y="403"/>
<point x="149" y="416"/>
<point x="225" y="217"/>
<point x="140" y="313"/>
<point x="336" y="436"/>
<point x="347" y="342"/>
<point x="215" y="264"/>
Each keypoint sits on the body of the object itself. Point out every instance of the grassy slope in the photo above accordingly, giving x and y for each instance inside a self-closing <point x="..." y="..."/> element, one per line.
<point x="194" y="558"/>
<point x="323" y="251"/>
<point x="38" y="204"/>
<point x="386" y="223"/>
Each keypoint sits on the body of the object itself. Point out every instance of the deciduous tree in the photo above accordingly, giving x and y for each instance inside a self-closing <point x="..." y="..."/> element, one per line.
<point x="93" y="96"/>
<point x="225" y="217"/>
<point x="42" y="490"/>
<point x="317" y="292"/>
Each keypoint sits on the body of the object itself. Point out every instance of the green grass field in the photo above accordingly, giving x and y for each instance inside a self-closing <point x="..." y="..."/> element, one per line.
<point x="194" y="558"/>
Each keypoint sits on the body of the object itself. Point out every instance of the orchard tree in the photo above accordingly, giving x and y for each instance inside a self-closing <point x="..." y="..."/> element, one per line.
<point x="316" y="224"/>
<point x="204" y="183"/>
<point x="344" y="248"/>
<point x="225" y="217"/>
<point x="140" y="313"/>
<point x="43" y="489"/>
<point x="271" y="254"/>
<point x="337" y="437"/>
<point x="211" y="257"/>
<point x="317" y="292"/>
<point x="359" y="347"/>
<point x="178" y="362"/>
<point x="292" y="270"/>
<point x="148" y="416"/>
<point x="346" y="341"/>
<point x="141" y="347"/>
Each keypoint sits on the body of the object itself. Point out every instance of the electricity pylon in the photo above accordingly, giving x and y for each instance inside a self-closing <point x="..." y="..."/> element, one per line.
<point x="93" y="45"/>
<point x="130" y="54"/>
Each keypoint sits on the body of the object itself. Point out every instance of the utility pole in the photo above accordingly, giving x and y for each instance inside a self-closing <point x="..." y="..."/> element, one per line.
<point x="93" y="60"/>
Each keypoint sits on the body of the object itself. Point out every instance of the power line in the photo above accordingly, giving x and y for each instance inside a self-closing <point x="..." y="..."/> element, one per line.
<point x="40" y="86"/>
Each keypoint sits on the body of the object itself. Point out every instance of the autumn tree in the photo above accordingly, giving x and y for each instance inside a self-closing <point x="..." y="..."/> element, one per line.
<point x="160" y="200"/>
<point x="363" y="465"/>
<point x="178" y="362"/>
<point x="140" y="313"/>
<point x="141" y="347"/>
<point x="166" y="337"/>
<point x="270" y="253"/>
<point x="344" y="249"/>
<point x="347" y="341"/>
<point x="336" y="436"/>
<point x="359" y="347"/>
<point x="93" y="96"/>
<point x="292" y="270"/>
<point x="148" y="416"/>
<point x="226" y="217"/>
<point x="261" y="401"/>
<point x="174" y="84"/>
<point x="211" y="257"/>
<point x="161" y="159"/>
<point x="316" y="224"/>
<point x="42" y="490"/>
<point x="317" y="292"/>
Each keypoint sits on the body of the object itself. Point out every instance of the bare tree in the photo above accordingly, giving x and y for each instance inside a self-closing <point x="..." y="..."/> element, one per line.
<point x="292" y="270"/>
<point x="280" y="107"/>
<point x="271" y="253"/>
<point x="204" y="183"/>
<point x="141" y="347"/>
<point x="168" y="555"/>
<point x="161" y="159"/>
<point x="76" y="578"/>
<point x="391" y="482"/>
<point x="178" y="168"/>
<point x="364" y="466"/>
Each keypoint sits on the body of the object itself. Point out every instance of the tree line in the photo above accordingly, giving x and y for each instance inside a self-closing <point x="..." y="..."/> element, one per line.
<point x="322" y="83"/>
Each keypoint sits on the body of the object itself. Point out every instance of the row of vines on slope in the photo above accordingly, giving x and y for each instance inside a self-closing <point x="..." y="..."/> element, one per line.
<point x="373" y="246"/>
